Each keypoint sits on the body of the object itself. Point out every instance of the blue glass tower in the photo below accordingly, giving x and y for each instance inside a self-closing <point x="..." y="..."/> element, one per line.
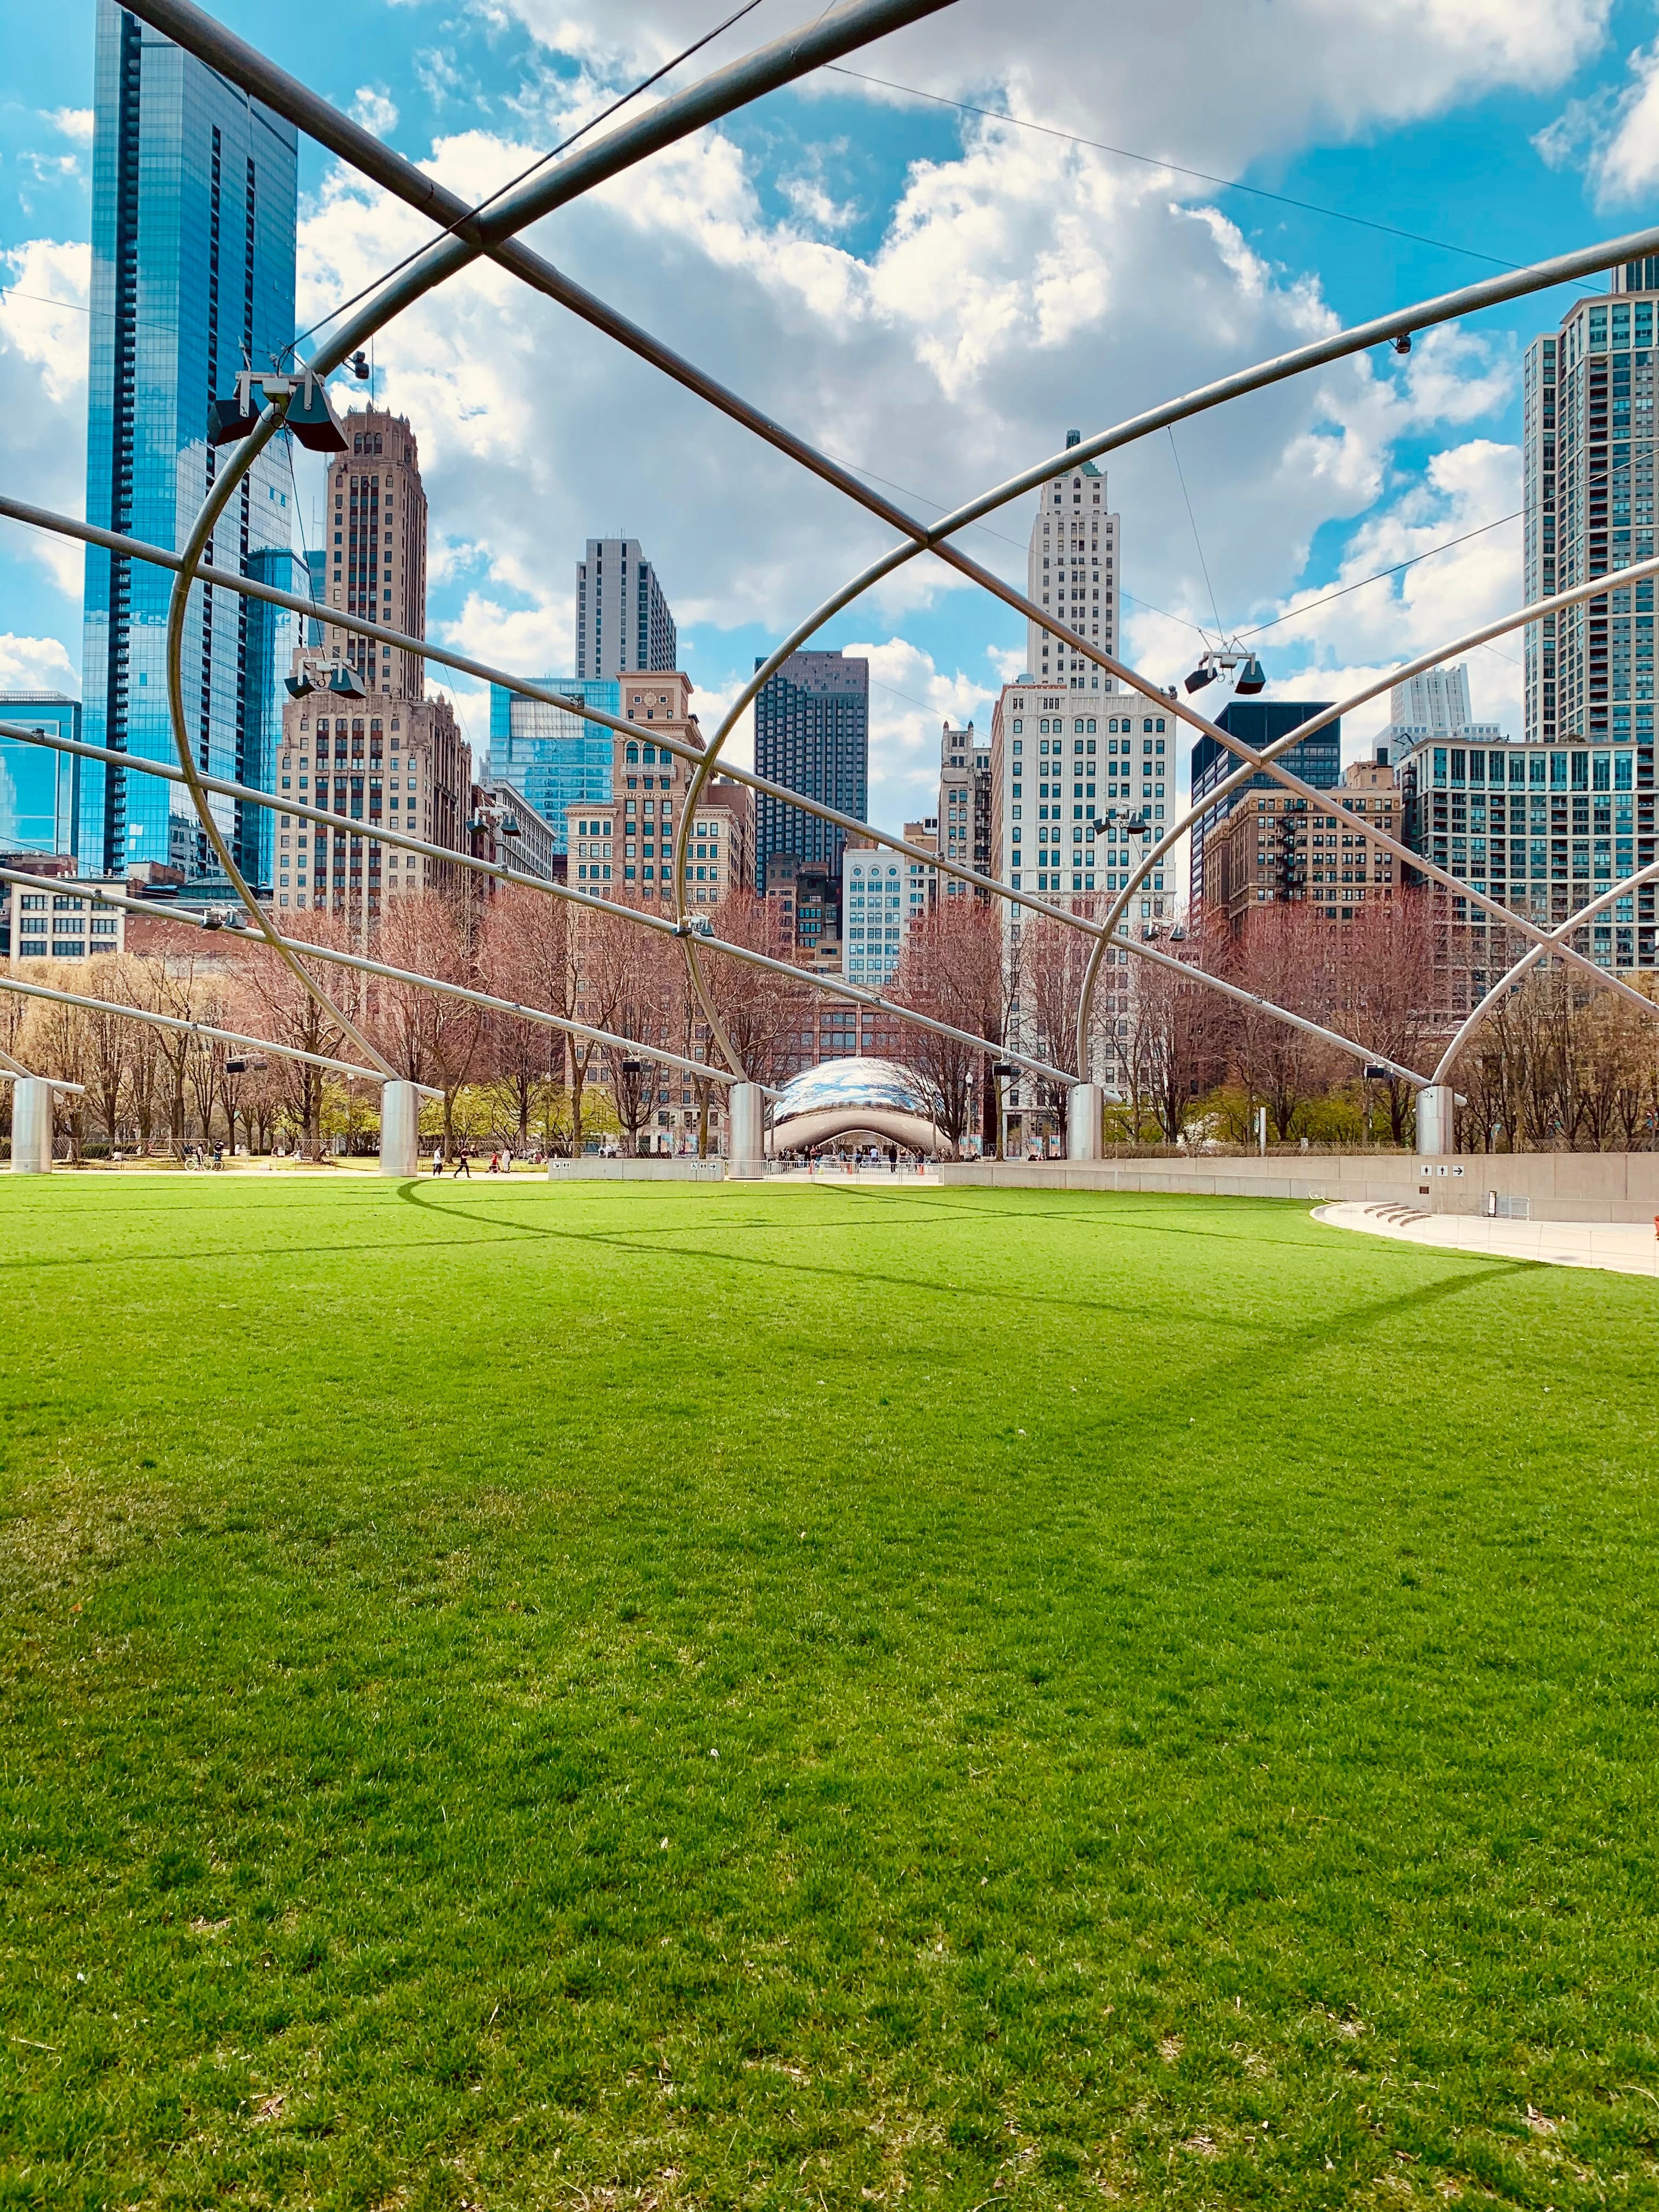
<point x="193" y="233"/>
<point x="553" y="756"/>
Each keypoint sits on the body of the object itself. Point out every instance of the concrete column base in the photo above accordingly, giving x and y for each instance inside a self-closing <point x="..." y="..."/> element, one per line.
<point x="400" y="1130"/>
<point x="1437" y="1120"/>
<point x="745" y="1112"/>
<point x="1085" y="1110"/>
<point x="31" y="1126"/>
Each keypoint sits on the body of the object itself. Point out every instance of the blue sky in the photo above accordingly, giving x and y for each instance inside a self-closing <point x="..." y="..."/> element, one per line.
<point x="932" y="297"/>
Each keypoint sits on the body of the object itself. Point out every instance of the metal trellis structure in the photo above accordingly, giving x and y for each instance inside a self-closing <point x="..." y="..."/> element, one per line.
<point x="467" y="234"/>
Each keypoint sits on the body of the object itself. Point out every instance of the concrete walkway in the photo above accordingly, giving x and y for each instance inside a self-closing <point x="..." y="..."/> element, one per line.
<point x="1625" y="1247"/>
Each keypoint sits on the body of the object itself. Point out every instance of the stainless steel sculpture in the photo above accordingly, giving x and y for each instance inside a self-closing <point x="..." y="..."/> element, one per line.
<point x="468" y="234"/>
<point x="856" y="1098"/>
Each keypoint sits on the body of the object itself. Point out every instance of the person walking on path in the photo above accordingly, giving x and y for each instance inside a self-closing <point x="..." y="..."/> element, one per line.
<point x="437" y="1159"/>
<point x="463" y="1167"/>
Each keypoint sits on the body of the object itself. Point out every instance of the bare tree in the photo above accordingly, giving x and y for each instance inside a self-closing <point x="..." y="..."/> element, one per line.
<point x="267" y="1001"/>
<point x="1177" y="1033"/>
<point x="429" y="1036"/>
<point x="953" y="968"/>
<point x="528" y="951"/>
<point x="757" y="1007"/>
<point x="1385" y="993"/>
<point x="113" y="1038"/>
<point x="1285" y="954"/>
<point x="1053" y="962"/>
<point x="1558" y="1064"/>
<point x="639" y="976"/>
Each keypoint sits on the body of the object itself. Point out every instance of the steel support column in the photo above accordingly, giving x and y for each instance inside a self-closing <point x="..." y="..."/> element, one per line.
<point x="31" y="1126"/>
<point x="746" y="1157"/>
<point x="1085" y="1120"/>
<point x="1437" y="1121"/>
<point x="400" y="1129"/>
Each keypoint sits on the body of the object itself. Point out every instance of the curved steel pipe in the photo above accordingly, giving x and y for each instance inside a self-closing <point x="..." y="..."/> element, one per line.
<point x="1101" y="932"/>
<point x="222" y="786"/>
<point x="1509" y="286"/>
<point x="196" y="1029"/>
<point x="363" y="964"/>
<point x="201" y="531"/>
<point x="212" y="43"/>
<point x="780" y="63"/>
<point x="833" y="986"/>
<point x="1268" y="758"/>
<point x="1540" y="276"/>
<point x="796" y="54"/>
<point x="42" y="518"/>
<point x="1539" y="951"/>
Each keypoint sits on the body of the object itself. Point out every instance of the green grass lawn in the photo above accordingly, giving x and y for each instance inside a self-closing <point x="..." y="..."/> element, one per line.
<point x="597" y="1695"/>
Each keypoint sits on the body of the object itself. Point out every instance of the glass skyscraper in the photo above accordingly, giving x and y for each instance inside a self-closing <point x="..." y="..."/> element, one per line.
<point x="812" y="733"/>
<point x="193" y="233"/>
<point x="553" y="756"/>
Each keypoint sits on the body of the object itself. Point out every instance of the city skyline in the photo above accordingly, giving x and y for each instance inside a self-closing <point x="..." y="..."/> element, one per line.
<point x="1324" y="527"/>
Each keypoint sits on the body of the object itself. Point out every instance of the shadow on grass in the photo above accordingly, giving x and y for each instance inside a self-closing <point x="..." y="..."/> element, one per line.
<point x="1335" y="1320"/>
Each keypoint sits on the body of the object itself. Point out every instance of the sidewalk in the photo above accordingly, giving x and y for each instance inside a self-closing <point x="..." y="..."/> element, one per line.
<point x="1624" y="1248"/>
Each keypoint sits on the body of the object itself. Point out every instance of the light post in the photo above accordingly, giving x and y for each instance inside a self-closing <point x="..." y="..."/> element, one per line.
<point x="1002" y="1071"/>
<point x="631" y="1070"/>
<point x="1374" y="1072"/>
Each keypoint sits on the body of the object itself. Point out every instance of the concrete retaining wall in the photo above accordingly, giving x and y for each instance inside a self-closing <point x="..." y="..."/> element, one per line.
<point x="1558" y="1186"/>
<point x="597" y="1171"/>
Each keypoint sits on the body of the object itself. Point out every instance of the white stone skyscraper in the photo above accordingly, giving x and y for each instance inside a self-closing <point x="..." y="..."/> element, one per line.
<point x="1433" y="707"/>
<point x="622" y="621"/>
<point x="1071" y="570"/>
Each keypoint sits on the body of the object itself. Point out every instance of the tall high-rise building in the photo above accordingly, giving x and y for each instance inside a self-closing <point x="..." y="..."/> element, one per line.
<point x="886" y="894"/>
<point x="1071" y="570"/>
<point x="192" y="277"/>
<point x="1588" y="450"/>
<point x="373" y="762"/>
<point x="1433" y="709"/>
<point x="812" y="733"/>
<point x="623" y="621"/>
<point x="1272" y="846"/>
<point x="376" y="529"/>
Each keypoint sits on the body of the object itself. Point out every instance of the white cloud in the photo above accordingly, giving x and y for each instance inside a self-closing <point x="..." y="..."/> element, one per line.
<point x="439" y="77"/>
<point x="910" y="702"/>
<point x="531" y="642"/>
<point x="51" y="168"/>
<point x="74" y="122"/>
<point x="1021" y="286"/>
<point x="1613" y="134"/>
<point x="35" y="664"/>
<point x="1214" y="83"/>
<point x="814" y="206"/>
<point x="1339" y="645"/>
<point x="43" y="392"/>
<point x="939" y="364"/>
<point x="374" y="108"/>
